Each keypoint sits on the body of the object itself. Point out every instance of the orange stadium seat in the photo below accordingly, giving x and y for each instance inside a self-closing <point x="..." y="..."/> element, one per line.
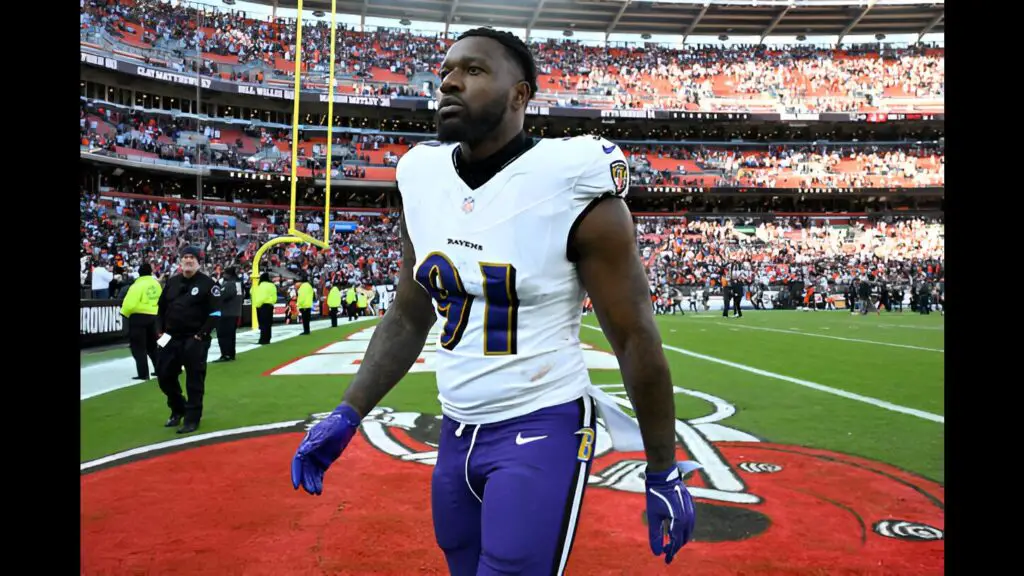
<point x="249" y="145"/>
<point x="382" y="75"/>
<point x="379" y="173"/>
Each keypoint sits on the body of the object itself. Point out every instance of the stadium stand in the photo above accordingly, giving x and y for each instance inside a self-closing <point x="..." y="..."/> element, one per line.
<point x="171" y="137"/>
<point x="794" y="79"/>
<point x="687" y="240"/>
<point x="118" y="229"/>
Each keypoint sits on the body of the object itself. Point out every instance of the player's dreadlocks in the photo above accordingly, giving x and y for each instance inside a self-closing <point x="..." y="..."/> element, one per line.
<point x="516" y="47"/>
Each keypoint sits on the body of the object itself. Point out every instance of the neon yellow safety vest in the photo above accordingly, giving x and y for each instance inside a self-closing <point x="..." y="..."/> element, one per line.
<point x="143" y="297"/>
<point x="334" y="298"/>
<point x="305" y="296"/>
<point x="264" y="293"/>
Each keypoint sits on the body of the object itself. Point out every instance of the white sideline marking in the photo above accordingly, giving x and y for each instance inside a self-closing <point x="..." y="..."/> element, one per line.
<point x="933" y="328"/>
<point x="185" y="440"/>
<point x="807" y="384"/>
<point x="784" y="331"/>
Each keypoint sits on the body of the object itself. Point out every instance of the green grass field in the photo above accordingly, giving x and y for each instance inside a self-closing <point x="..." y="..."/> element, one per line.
<point x="894" y="358"/>
<point x="91" y="357"/>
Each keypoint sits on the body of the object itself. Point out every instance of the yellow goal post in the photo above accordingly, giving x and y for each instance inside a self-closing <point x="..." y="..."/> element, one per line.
<point x="294" y="235"/>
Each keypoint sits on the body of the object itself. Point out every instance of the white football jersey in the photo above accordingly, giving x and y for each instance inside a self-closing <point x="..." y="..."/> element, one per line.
<point x="495" y="262"/>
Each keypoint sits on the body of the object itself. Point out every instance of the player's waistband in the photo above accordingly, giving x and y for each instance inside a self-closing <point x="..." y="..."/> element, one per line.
<point x="622" y="428"/>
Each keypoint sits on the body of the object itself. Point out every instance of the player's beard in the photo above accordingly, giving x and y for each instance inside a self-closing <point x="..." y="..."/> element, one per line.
<point x="472" y="127"/>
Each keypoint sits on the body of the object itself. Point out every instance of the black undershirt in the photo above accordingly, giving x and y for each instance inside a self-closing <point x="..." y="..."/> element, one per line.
<point x="476" y="174"/>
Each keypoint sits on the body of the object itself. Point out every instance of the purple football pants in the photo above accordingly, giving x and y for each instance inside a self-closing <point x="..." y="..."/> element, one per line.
<point x="506" y="497"/>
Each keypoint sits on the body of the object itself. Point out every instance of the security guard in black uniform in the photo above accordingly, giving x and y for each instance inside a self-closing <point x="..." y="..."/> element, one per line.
<point x="737" y="297"/>
<point x="189" y="309"/>
<point x="924" y="298"/>
<point x="231" y="309"/>
<point x="896" y="297"/>
<point x="864" y="293"/>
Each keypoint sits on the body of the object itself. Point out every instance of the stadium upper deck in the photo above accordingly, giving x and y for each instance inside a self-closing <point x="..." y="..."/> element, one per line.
<point x="688" y="17"/>
<point x="171" y="138"/>
<point x="794" y="79"/>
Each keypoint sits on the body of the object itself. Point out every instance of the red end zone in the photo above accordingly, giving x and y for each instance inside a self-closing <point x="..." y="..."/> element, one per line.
<point x="230" y="509"/>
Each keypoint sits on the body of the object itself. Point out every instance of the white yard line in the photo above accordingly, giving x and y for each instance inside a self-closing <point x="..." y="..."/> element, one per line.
<point x="830" y="337"/>
<point x="807" y="384"/>
<point x="908" y="327"/>
<point x="844" y="319"/>
<point x="182" y="441"/>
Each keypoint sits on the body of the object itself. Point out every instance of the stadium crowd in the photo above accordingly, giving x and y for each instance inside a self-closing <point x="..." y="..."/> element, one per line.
<point x="133" y="132"/>
<point x="696" y="77"/>
<point x="118" y="232"/>
<point x="788" y="166"/>
<point x="268" y="150"/>
<point x="692" y="255"/>
<point x="802" y="78"/>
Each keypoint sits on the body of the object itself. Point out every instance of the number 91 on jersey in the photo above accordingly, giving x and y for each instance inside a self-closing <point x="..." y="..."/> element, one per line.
<point x="442" y="281"/>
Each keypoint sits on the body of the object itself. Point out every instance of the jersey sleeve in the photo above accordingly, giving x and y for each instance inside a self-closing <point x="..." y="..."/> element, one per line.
<point x="417" y="174"/>
<point x="402" y="168"/>
<point x="407" y="171"/>
<point x="606" y="172"/>
<point x="605" y="175"/>
<point x="406" y="176"/>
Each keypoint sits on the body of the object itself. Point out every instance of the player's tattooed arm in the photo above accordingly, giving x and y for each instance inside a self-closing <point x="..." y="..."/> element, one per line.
<point x="398" y="339"/>
<point x="613" y="275"/>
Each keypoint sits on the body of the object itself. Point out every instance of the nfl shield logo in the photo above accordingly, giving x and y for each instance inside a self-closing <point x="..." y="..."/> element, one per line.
<point x="467" y="204"/>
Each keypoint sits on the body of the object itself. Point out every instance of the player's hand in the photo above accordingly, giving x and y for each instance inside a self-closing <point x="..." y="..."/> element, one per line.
<point x="670" y="510"/>
<point x="323" y="445"/>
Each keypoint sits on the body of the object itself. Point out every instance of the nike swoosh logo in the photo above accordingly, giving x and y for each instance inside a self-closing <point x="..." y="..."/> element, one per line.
<point x="520" y="439"/>
<point x="608" y="149"/>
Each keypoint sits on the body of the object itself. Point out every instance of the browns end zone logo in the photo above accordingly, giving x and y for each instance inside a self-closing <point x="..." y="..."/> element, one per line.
<point x="762" y="508"/>
<point x="773" y="497"/>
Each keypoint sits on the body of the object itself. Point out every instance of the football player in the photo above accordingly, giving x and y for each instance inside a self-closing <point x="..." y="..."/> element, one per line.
<point x="501" y="237"/>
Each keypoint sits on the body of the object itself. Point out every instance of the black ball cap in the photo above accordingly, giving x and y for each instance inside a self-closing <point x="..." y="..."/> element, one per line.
<point x="191" y="251"/>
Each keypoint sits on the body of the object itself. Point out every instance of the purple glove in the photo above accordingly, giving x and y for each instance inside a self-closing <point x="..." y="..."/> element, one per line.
<point x="670" y="509"/>
<point x="323" y="445"/>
